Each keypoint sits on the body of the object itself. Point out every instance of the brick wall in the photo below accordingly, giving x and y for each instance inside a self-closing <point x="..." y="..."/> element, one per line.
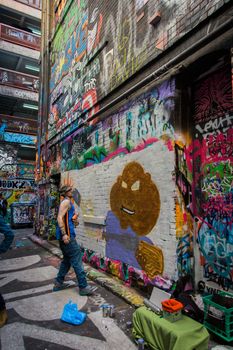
<point x="95" y="184"/>
<point x="140" y="132"/>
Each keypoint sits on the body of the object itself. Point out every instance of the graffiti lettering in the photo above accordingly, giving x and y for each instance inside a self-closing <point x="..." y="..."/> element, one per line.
<point x="216" y="246"/>
<point x="222" y="123"/>
<point x="19" y="138"/>
<point x="16" y="184"/>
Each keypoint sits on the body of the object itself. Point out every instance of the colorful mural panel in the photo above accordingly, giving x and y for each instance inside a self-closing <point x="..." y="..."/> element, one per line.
<point x="17" y="138"/>
<point x="16" y="184"/>
<point x="140" y="240"/>
<point x="8" y="157"/>
<point x="135" y="205"/>
<point x="17" y="196"/>
<point x="154" y="178"/>
<point x="20" y="125"/>
<point x="22" y="214"/>
<point x="136" y="126"/>
<point x="86" y="60"/>
<point x="135" y="199"/>
<point x="212" y="160"/>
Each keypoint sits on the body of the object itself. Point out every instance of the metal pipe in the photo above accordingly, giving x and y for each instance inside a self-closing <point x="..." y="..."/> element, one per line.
<point x="39" y="120"/>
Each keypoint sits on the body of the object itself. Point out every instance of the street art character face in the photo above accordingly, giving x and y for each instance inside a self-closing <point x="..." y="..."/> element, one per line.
<point x="135" y="200"/>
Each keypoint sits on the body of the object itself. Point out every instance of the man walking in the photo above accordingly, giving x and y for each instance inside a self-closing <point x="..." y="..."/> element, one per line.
<point x="3" y="206"/>
<point x="4" y="246"/>
<point x="5" y="228"/>
<point x="72" y="255"/>
<point x="3" y="312"/>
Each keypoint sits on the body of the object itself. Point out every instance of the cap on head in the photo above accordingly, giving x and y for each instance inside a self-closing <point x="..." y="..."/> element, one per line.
<point x="64" y="189"/>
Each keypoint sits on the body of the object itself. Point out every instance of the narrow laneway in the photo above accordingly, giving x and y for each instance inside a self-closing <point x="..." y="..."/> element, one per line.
<point x="26" y="280"/>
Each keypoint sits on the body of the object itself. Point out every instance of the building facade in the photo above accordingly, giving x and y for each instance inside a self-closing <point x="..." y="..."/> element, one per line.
<point x="136" y="114"/>
<point x="19" y="87"/>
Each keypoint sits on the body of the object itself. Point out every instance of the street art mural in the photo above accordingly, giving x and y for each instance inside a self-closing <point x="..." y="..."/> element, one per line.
<point x="94" y="28"/>
<point x="22" y="214"/>
<point x="27" y="196"/>
<point x="19" y="138"/>
<point x="146" y="122"/>
<point x="25" y="170"/>
<point x="136" y="126"/>
<point x="17" y="170"/>
<point x="133" y="188"/>
<point x="18" y="79"/>
<point x="20" y="37"/>
<point x="200" y="168"/>
<point x="15" y="137"/>
<point x="135" y="205"/>
<point x="183" y="209"/>
<point x="123" y="241"/>
<point x="212" y="162"/>
<point x="192" y="162"/>
<point x="13" y="124"/>
<point x="53" y="206"/>
<point x="17" y="195"/>
<point x="60" y="7"/>
<point x="87" y="62"/>
<point x="8" y="156"/>
<point x="16" y="184"/>
<point x="16" y="179"/>
<point x="213" y="184"/>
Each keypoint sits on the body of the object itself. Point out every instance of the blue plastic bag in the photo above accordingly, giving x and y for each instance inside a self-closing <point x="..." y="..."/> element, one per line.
<point x="71" y="314"/>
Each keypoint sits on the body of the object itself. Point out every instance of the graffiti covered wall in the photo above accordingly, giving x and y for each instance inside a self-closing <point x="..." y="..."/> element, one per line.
<point x="136" y="126"/>
<point x="126" y="187"/>
<point x="14" y="124"/>
<point x="115" y="226"/>
<point x="8" y="155"/>
<point x="213" y="175"/>
<point x="150" y="186"/>
<point x="17" y="190"/>
<point x="87" y="61"/>
<point x="132" y="207"/>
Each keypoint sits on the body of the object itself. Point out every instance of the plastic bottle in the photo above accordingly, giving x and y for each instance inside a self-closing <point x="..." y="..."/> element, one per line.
<point x="105" y="310"/>
<point x="141" y="344"/>
<point x="111" y="311"/>
<point x="128" y="325"/>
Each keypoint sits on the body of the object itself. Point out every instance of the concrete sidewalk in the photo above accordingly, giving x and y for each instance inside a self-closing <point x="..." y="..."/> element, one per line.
<point x="27" y="273"/>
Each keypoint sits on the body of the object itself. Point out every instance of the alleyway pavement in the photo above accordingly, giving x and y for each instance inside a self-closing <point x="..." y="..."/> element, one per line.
<point x="27" y="272"/>
<point x="26" y="279"/>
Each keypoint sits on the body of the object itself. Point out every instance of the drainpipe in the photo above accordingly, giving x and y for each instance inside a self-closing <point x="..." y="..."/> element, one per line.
<point x="43" y="112"/>
<point x="41" y="93"/>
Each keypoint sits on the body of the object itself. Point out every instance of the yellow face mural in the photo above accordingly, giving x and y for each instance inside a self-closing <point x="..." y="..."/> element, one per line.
<point x="135" y="200"/>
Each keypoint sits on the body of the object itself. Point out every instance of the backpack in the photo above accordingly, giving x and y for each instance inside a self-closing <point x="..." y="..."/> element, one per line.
<point x="191" y="309"/>
<point x="184" y="287"/>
